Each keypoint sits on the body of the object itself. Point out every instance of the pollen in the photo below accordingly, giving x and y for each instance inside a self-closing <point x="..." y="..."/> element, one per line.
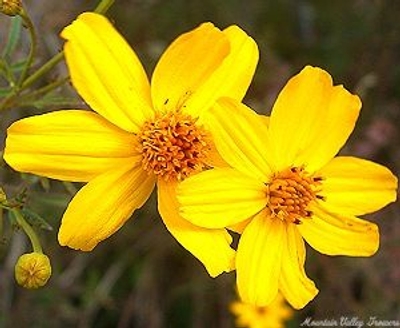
<point x="290" y="192"/>
<point x="173" y="146"/>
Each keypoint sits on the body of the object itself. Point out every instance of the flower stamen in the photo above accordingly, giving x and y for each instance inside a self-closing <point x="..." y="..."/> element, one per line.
<point x="173" y="146"/>
<point x="290" y="192"/>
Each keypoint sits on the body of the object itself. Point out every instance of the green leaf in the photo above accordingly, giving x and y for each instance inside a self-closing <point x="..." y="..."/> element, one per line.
<point x="36" y="220"/>
<point x="13" y="36"/>
<point x="4" y="92"/>
<point x="18" y="67"/>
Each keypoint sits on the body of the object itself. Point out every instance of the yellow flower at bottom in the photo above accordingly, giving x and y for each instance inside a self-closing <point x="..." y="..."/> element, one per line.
<point x="271" y="316"/>
<point x="32" y="270"/>
<point x="139" y="134"/>
<point x="285" y="186"/>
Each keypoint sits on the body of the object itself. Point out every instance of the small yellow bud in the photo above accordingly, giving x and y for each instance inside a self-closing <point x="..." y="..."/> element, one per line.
<point x="10" y="7"/>
<point x="3" y="196"/>
<point x="32" y="270"/>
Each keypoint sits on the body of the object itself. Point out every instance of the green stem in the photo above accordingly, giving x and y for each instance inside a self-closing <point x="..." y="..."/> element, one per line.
<point x="43" y="70"/>
<point x="37" y="248"/>
<point x="103" y="6"/>
<point x="32" y="50"/>
<point x="7" y="102"/>
<point x="42" y="91"/>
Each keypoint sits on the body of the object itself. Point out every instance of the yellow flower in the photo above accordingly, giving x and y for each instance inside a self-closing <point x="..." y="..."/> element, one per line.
<point x="138" y="135"/>
<point x="32" y="270"/>
<point x="11" y="7"/>
<point x="272" y="316"/>
<point x="286" y="185"/>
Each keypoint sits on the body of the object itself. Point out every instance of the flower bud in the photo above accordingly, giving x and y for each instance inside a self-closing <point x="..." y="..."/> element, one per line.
<point x="32" y="270"/>
<point x="11" y="7"/>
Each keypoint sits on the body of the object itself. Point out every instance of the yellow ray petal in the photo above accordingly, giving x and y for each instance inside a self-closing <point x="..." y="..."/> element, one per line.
<point x="232" y="78"/>
<point x="239" y="227"/>
<point x="240" y="136"/>
<point x="335" y="234"/>
<point x="238" y="69"/>
<point x="220" y="198"/>
<point x="187" y="64"/>
<point x="311" y="120"/>
<point x="356" y="186"/>
<point x="106" y="71"/>
<point x="295" y="286"/>
<point x="210" y="246"/>
<point x="102" y="206"/>
<point x="259" y="258"/>
<point x="72" y="145"/>
<point x="214" y="158"/>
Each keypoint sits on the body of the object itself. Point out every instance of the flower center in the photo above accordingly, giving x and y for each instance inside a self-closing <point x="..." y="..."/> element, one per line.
<point x="173" y="146"/>
<point x="290" y="192"/>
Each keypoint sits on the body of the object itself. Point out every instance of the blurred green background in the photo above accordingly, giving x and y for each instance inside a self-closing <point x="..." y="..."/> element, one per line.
<point x="141" y="277"/>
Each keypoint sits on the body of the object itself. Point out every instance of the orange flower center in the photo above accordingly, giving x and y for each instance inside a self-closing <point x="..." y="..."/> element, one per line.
<point x="290" y="192"/>
<point x="173" y="146"/>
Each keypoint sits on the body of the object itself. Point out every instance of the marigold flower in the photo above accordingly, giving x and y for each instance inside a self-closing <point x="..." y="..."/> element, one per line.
<point x="32" y="270"/>
<point x="271" y="316"/>
<point x="139" y="135"/>
<point x="285" y="185"/>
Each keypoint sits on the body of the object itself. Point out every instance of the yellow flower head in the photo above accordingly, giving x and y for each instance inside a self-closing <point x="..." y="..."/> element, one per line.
<point x="32" y="270"/>
<point x="272" y="316"/>
<point x="285" y="185"/>
<point x="11" y="7"/>
<point x="139" y="133"/>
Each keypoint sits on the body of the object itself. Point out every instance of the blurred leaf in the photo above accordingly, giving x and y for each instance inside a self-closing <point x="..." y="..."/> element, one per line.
<point x="29" y="178"/>
<point x="4" y="92"/>
<point x="54" y="101"/>
<point x="18" y="67"/>
<point x="1" y="224"/>
<point x="5" y="71"/>
<point x="20" y="198"/>
<point x="45" y="183"/>
<point x="47" y="200"/>
<point x="13" y="36"/>
<point x="70" y="187"/>
<point x="36" y="220"/>
<point x="3" y="67"/>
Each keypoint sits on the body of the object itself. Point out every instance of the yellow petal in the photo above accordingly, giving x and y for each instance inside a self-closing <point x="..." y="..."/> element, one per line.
<point x="72" y="145"/>
<point x="336" y="234"/>
<point x="311" y="120"/>
<point x="240" y="136"/>
<point x="220" y="198"/>
<point x="295" y="286"/>
<point x="258" y="260"/>
<point x="106" y="72"/>
<point x="239" y="227"/>
<point x="356" y="186"/>
<point x="102" y="206"/>
<point x="214" y="158"/>
<point x="210" y="246"/>
<point x="187" y="64"/>
<point x="233" y="76"/>
<point x="236" y="73"/>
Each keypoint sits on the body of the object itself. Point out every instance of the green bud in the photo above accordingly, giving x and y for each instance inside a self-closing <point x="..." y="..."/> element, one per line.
<point x="32" y="270"/>
<point x="11" y="7"/>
